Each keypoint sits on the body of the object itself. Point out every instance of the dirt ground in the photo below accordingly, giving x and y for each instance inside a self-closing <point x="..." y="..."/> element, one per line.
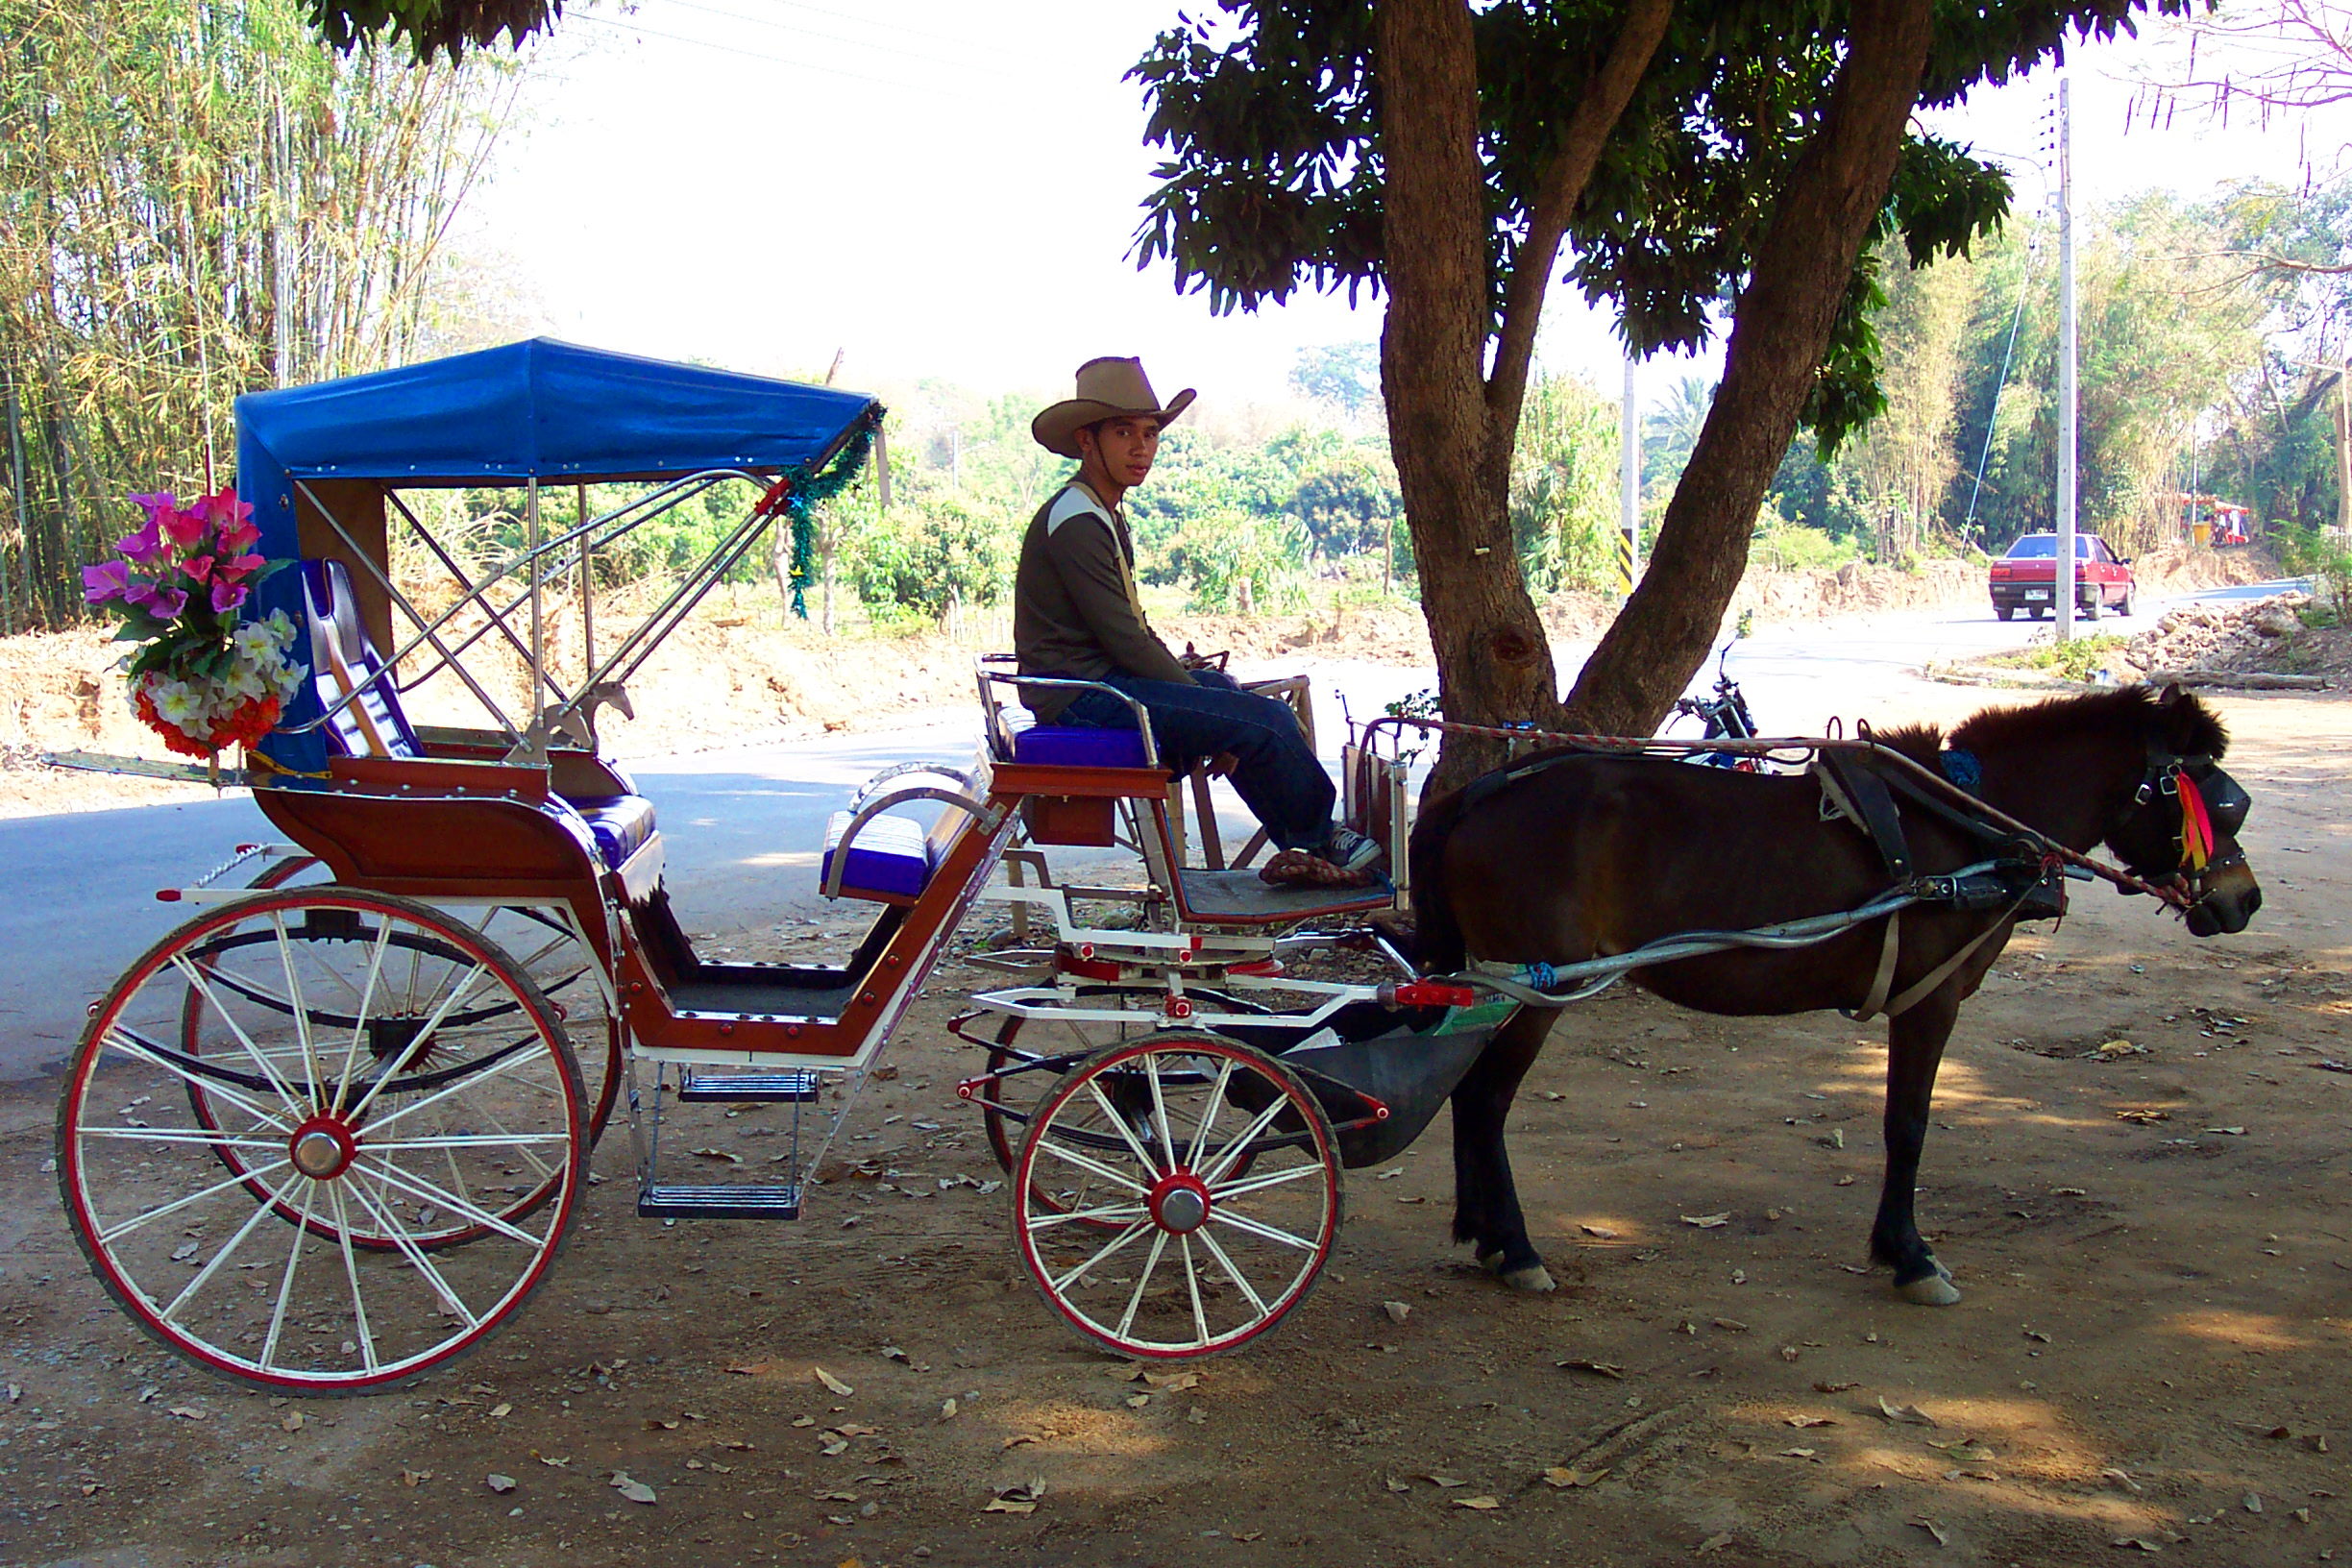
<point x="2138" y="1171"/>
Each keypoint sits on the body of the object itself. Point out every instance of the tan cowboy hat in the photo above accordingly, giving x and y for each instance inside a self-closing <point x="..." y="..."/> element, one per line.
<point x="1107" y="388"/>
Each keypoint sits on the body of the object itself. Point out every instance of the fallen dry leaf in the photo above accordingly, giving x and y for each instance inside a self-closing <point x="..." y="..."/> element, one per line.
<point x="2145" y="1116"/>
<point x="1796" y="1453"/>
<point x="1006" y="1504"/>
<point x="1580" y="1364"/>
<point x="1444" y="1480"/>
<point x="415" y="1478"/>
<point x="947" y="1408"/>
<point x="1910" y="1414"/>
<point x="833" y="1383"/>
<point x="1708" y="1222"/>
<point x="1602" y="1231"/>
<point x="1172" y="1383"/>
<point x="1934" y="1530"/>
<point x="1396" y="1486"/>
<point x="292" y="1421"/>
<point x="1398" y="1312"/>
<point x="1715" y="1543"/>
<point x="716" y="1154"/>
<point x="188" y="1412"/>
<point x="1017" y="1439"/>
<point x="501" y="1484"/>
<point x="499" y="1412"/>
<point x="2136" y="1543"/>
<point x="1730" y="1325"/>
<point x="1812" y="1421"/>
<point x="1562" y="1477"/>
<point x="654" y="1423"/>
<point x="1482" y="1503"/>
<point x="1835" y="1387"/>
<point x="629" y="1486"/>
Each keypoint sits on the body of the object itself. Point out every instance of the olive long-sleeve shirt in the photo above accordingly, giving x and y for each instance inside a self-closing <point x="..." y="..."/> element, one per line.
<point x="1075" y="611"/>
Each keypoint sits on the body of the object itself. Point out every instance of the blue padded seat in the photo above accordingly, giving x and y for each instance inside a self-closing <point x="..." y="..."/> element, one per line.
<point x="890" y="859"/>
<point x="620" y="824"/>
<point x="1079" y="746"/>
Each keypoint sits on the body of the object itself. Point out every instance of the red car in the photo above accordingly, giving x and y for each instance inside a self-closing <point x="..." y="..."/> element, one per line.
<point x="2027" y="577"/>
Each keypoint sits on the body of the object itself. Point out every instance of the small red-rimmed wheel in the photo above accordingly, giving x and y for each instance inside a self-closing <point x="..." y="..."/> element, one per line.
<point x="380" y="1082"/>
<point x="544" y="946"/>
<point x="1215" y="1195"/>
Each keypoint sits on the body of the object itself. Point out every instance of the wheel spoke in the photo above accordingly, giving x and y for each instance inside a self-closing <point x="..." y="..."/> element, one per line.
<point x="184" y="1135"/>
<point x="359" y="1016"/>
<point x="285" y="1285"/>
<point x="260" y="1058"/>
<point x="1240" y="1280"/>
<point x="467" y="1140"/>
<point x="1243" y="1186"/>
<point x="455" y="1087"/>
<point x="1260" y="1228"/>
<point x="418" y="1186"/>
<point x="1134" y="1143"/>
<point x="409" y="1249"/>
<point x="204" y="1275"/>
<point x="417" y="1046"/>
<point x="1217" y="1098"/>
<point x="1200" y="1318"/>
<point x="1095" y="1166"/>
<point x="1117" y="1213"/>
<point x="1160" y="1115"/>
<point x="302" y="1012"/>
<point x="1108" y="1250"/>
<point x="351" y="1272"/>
<point x="1231" y="1153"/>
<point x="243" y="1178"/>
<point x="1135" y="1298"/>
<point x="117" y="1039"/>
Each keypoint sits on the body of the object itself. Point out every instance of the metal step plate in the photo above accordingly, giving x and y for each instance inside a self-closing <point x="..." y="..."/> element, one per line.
<point x="747" y="1087"/>
<point x="724" y="1200"/>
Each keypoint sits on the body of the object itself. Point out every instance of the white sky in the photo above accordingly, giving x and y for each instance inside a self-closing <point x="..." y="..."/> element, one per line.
<point x="941" y="189"/>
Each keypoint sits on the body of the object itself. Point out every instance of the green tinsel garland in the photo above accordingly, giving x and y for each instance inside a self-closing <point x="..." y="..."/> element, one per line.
<point x="809" y="493"/>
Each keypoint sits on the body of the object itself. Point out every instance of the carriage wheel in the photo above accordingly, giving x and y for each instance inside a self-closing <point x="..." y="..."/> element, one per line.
<point x="1216" y="1196"/>
<point x="563" y="968"/>
<point x="1056" y="1045"/>
<point x="381" y="1082"/>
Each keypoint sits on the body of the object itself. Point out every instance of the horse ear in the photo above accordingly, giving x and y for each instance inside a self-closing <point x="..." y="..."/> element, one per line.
<point x="2172" y="694"/>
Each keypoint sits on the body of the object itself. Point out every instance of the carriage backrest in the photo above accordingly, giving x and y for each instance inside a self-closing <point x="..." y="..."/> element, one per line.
<point x="343" y="661"/>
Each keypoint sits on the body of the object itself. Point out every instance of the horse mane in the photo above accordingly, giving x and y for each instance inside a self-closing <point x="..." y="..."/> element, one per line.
<point x="2186" y="726"/>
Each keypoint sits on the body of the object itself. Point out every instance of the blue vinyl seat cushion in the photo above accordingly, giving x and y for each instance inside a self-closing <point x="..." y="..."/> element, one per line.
<point x="620" y="824"/>
<point x="891" y="858"/>
<point x="1079" y="746"/>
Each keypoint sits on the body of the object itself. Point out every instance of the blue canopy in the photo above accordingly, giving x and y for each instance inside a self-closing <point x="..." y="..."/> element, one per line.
<point x="540" y="409"/>
<point x="536" y="409"/>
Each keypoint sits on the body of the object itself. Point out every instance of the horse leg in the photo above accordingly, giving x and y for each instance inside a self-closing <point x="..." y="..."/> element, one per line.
<point x="1486" y="1204"/>
<point x="1915" y="1049"/>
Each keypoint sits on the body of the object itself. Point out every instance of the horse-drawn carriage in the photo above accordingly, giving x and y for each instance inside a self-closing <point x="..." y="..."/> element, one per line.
<point x="334" y="1129"/>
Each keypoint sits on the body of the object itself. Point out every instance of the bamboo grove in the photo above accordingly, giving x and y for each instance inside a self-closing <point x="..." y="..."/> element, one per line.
<point x="197" y="200"/>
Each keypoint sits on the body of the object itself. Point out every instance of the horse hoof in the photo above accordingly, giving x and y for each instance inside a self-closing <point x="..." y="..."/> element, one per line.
<point x="1535" y="1278"/>
<point x="1935" y="1290"/>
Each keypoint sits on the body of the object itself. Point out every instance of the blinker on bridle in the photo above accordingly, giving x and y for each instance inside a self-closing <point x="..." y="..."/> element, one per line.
<point x="2208" y="809"/>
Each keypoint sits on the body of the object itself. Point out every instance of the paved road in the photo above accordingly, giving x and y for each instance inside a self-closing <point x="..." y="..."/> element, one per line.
<point x="742" y="829"/>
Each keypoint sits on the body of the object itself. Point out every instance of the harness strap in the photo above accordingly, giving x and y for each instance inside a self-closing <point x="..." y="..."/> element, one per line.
<point x="1861" y="794"/>
<point x="1926" y="985"/>
<point x="1888" y="948"/>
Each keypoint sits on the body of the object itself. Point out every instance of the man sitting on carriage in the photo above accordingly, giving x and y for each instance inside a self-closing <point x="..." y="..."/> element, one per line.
<point x="1077" y="616"/>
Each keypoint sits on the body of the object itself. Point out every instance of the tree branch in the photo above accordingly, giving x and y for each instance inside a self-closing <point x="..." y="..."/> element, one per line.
<point x="1597" y="112"/>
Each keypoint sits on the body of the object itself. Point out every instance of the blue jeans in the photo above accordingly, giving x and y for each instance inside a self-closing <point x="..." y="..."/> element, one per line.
<point x="1277" y="776"/>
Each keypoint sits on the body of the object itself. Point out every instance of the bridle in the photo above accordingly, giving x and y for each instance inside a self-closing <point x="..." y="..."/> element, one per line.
<point x="2210" y="805"/>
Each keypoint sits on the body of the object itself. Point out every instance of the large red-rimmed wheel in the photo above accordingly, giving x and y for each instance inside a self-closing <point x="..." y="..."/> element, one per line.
<point x="376" y="1083"/>
<point x="545" y="947"/>
<point x="1216" y="1196"/>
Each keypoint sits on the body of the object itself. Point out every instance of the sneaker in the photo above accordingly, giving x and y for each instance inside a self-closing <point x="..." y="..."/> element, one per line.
<point x="1350" y="851"/>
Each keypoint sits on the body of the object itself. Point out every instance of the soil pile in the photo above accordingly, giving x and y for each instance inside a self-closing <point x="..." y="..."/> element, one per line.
<point x="2266" y="636"/>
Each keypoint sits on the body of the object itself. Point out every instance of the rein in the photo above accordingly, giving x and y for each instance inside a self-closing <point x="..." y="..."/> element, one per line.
<point x="1922" y="783"/>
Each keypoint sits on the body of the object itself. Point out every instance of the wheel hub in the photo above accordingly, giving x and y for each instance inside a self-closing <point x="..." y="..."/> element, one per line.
<point x="322" y="1148"/>
<point x="1180" y="1203"/>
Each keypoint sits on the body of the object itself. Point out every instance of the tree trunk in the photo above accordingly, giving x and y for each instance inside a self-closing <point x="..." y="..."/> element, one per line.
<point x="1493" y="664"/>
<point x="1779" y="330"/>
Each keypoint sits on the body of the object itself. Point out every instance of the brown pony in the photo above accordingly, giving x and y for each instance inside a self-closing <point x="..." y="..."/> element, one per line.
<point x="1573" y="855"/>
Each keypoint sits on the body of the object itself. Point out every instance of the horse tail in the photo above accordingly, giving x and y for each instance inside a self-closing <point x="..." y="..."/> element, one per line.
<point x="1438" y="946"/>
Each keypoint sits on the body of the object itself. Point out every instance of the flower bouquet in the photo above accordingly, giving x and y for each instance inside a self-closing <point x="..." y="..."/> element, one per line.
<point x="202" y="681"/>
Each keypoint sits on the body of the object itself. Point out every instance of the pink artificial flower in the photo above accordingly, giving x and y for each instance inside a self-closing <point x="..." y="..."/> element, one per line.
<point x="236" y="568"/>
<point x="104" y="581"/>
<point x="224" y="510"/>
<point x="227" y="596"/>
<point x="157" y="505"/>
<point x="184" y="530"/>
<point x="144" y="547"/>
<point x="196" y="566"/>
<point x="239" y="534"/>
<point x="163" y="604"/>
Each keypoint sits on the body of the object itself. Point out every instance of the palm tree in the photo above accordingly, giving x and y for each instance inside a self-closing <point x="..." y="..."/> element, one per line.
<point x="1671" y="430"/>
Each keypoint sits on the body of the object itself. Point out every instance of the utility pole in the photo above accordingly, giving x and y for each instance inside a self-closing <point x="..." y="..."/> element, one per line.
<point x="1629" y="485"/>
<point x="2063" y="586"/>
